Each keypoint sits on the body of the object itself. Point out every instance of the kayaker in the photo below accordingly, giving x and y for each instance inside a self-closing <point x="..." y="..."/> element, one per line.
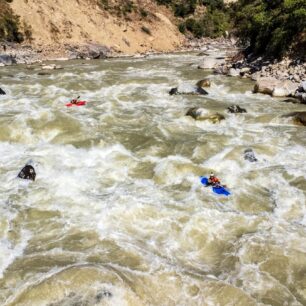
<point x="213" y="180"/>
<point x="75" y="101"/>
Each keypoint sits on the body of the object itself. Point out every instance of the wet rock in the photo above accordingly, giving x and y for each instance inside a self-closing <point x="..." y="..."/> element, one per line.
<point x="233" y="72"/>
<point x="291" y="100"/>
<point x="51" y="67"/>
<point x="236" y="109"/>
<point x="43" y="73"/>
<point x="298" y="117"/>
<point x="201" y="91"/>
<point x="188" y="89"/>
<point x="208" y="63"/>
<point x="7" y="59"/>
<point x="250" y="156"/>
<point x="2" y="92"/>
<point x="173" y="91"/>
<point x="277" y="88"/>
<point x="203" y="83"/>
<point x="27" y="173"/>
<point x="203" y="114"/>
<point x="103" y="294"/>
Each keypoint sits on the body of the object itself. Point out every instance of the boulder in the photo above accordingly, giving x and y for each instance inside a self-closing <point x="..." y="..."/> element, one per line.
<point x="90" y="51"/>
<point x="236" y="109"/>
<point x="203" y="83"/>
<point x="208" y="63"/>
<point x="173" y="91"/>
<point x="250" y="156"/>
<point x="301" y="96"/>
<point x="233" y="72"/>
<point x="298" y="117"/>
<point x="7" y="59"/>
<point x="27" y="173"/>
<point x="265" y="85"/>
<point x="198" y="113"/>
<point x="2" y="92"/>
<point x="277" y="88"/>
<point x="188" y="89"/>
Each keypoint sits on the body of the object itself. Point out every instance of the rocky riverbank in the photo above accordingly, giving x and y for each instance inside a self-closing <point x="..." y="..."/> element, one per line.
<point x="13" y="53"/>
<point x="285" y="78"/>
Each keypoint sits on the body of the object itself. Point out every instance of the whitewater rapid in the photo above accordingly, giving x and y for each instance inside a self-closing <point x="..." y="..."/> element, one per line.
<point x="117" y="214"/>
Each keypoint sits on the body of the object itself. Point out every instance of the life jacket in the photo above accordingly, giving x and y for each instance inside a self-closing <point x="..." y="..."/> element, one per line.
<point x="214" y="179"/>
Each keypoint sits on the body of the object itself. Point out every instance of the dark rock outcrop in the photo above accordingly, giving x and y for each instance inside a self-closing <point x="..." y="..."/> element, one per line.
<point x="250" y="156"/>
<point x="236" y="109"/>
<point x="27" y="173"/>
<point x="2" y="92"/>
<point x="298" y="117"/>
<point x="173" y="91"/>
<point x="7" y="59"/>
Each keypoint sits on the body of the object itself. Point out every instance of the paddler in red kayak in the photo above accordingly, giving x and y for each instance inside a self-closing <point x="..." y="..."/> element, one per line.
<point x="75" y="101"/>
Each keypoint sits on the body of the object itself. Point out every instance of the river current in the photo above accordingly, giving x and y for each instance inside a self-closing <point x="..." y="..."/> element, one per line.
<point x="117" y="214"/>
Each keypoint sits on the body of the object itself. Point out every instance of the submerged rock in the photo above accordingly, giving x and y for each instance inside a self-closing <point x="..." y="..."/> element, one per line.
<point x="2" y="92"/>
<point x="236" y="109"/>
<point x="209" y="63"/>
<point x="298" y="117"/>
<point x="250" y="155"/>
<point x="203" y="83"/>
<point x="27" y="173"/>
<point x="103" y="294"/>
<point x="198" y="113"/>
<point x="173" y="91"/>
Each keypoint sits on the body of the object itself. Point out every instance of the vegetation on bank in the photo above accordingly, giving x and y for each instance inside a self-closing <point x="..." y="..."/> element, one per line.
<point x="201" y="18"/>
<point x="271" y="27"/>
<point x="11" y="30"/>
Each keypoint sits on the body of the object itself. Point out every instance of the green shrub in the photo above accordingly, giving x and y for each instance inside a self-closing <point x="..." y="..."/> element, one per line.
<point x="143" y="13"/>
<point x="146" y="30"/>
<point x="9" y="24"/>
<point x="182" y="28"/>
<point x="270" y="26"/>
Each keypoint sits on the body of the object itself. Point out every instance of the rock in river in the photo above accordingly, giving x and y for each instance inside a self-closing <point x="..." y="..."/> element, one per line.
<point x="236" y="109"/>
<point x="202" y="114"/>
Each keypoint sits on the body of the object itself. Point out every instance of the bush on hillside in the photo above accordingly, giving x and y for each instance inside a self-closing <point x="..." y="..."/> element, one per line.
<point x="271" y="26"/>
<point x="9" y="24"/>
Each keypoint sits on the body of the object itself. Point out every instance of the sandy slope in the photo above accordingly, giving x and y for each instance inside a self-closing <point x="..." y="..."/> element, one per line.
<point x="83" y="21"/>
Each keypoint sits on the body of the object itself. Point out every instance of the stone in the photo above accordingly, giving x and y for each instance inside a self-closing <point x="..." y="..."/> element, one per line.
<point x="250" y="156"/>
<point x="2" y="92"/>
<point x="203" y="83"/>
<point x="277" y="88"/>
<point x="7" y="59"/>
<point x="173" y="91"/>
<point x="236" y="109"/>
<point x="298" y="117"/>
<point x="233" y="72"/>
<point x="203" y="114"/>
<point x="245" y="70"/>
<point x="27" y="173"/>
<point x="188" y="89"/>
<point x="208" y="63"/>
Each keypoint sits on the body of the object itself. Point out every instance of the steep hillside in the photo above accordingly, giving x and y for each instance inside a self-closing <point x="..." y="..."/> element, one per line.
<point x="139" y="27"/>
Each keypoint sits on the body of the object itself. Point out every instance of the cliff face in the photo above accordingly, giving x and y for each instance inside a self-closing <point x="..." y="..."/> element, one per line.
<point x="142" y="27"/>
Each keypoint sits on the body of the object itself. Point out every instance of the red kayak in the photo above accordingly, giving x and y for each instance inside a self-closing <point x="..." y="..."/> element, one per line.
<point x="79" y="103"/>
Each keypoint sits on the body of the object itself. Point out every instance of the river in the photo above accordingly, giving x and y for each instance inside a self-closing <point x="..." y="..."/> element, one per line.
<point x="117" y="214"/>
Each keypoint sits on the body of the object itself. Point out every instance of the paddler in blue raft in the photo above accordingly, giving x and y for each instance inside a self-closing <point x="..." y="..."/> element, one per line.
<point x="215" y="183"/>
